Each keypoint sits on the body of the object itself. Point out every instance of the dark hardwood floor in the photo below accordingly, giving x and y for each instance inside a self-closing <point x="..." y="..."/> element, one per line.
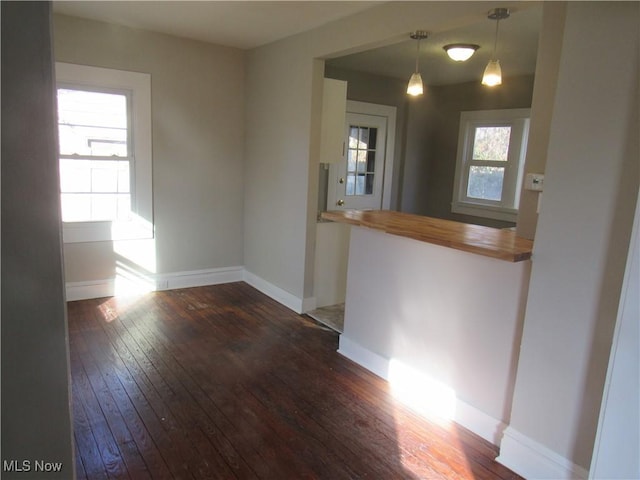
<point x="222" y="382"/>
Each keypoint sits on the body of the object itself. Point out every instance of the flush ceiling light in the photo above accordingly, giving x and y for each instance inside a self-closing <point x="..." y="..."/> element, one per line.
<point x="460" y="52"/>
<point x="415" y="86"/>
<point x="493" y="73"/>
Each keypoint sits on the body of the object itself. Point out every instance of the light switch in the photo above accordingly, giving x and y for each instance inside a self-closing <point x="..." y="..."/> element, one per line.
<point x="534" y="181"/>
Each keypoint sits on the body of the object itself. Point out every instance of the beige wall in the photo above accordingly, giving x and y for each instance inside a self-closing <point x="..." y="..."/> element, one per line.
<point x="584" y="226"/>
<point x="198" y="142"/>
<point x="544" y="91"/>
<point x="283" y="83"/>
<point x="201" y="186"/>
<point x="567" y="282"/>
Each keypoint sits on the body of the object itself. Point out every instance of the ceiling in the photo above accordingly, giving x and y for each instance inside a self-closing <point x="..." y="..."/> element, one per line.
<point x="241" y="24"/>
<point x="250" y="24"/>
<point x="517" y="51"/>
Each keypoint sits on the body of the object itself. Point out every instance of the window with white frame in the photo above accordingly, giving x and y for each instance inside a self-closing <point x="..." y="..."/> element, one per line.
<point x="104" y="130"/>
<point x="491" y="150"/>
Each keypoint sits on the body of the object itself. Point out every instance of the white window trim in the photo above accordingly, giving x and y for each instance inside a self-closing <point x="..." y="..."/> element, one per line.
<point x="141" y="184"/>
<point x="507" y="208"/>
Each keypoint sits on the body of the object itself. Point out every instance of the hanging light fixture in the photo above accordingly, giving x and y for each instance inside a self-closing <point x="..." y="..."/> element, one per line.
<point x="460" y="52"/>
<point x="493" y="73"/>
<point x="415" y="86"/>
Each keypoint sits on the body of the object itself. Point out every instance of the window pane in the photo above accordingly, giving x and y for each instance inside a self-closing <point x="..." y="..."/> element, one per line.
<point x="491" y="143"/>
<point x="79" y="178"/>
<point x="92" y="123"/>
<point x="362" y="161"/>
<point x="351" y="184"/>
<point x="75" y="175"/>
<point x="353" y="137"/>
<point x="364" y="138"/>
<point x="373" y="138"/>
<point x="485" y="183"/>
<point x="351" y="160"/>
<point x="360" y="185"/>
<point x="104" y="179"/>
<point x="371" y="161"/>
<point x="75" y="207"/>
<point x="369" y="184"/>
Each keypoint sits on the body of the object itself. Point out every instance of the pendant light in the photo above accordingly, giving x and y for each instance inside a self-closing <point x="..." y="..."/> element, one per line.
<point x="415" y="86"/>
<point x="493" y="73"/>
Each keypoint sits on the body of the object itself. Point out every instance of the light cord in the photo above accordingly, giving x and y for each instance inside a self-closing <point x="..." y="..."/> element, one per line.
<point x="495" y="42"/>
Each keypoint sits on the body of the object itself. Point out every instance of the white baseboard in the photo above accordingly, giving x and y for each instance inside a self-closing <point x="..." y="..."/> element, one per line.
<point x="199" y="278"/>
<point x="135" y="283"/>
<point x="371" y="361"/>
<point x="531" y="459"/>
<point x="91" y="289"/>
<point x="471" y="418"/>
<point x="298" y="305"/>
<point x="128" y="282"/>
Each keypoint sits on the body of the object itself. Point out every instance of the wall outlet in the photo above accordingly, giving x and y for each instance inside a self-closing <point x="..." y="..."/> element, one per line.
<point x="534" y="181"/>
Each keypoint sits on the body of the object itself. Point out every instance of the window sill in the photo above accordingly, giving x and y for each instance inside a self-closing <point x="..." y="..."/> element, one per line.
<point x="485" y="211"/>
<point x="106" y="231"/>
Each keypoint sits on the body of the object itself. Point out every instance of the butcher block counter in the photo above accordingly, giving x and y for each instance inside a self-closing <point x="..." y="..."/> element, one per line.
<point x="490" y="242"/>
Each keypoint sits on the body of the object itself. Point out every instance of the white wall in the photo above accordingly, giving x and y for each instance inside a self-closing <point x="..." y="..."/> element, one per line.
<point x="618" y="440"/>
<point x="36" y="418"/>
<point x="454" y="317"/>
<point x="198" y="142"/>
<point x="582" y="237"/>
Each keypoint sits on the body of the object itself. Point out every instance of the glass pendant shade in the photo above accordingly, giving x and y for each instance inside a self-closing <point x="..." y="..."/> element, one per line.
<point x="460" y="52"/>
<point x="415" y="85"/>
<point x="492" y="74"/>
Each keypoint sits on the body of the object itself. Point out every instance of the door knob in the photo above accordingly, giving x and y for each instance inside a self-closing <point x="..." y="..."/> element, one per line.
<point x="340" y="202"/>
<point x="341" y="181"/>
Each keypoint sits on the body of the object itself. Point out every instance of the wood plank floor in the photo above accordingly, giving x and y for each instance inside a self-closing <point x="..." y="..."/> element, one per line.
<point x="222" y="382"/>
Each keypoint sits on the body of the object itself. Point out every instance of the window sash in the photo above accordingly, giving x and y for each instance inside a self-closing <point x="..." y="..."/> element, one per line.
<point x="137" y="88"/>
<point x="506" y="208"/>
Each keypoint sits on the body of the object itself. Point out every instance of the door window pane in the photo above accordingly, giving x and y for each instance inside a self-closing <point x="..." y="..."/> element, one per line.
<point x="491" y="143"/>
<point x="351" y="184"/>
<point x="485" y="183"/>
<point x="361" y="160"/>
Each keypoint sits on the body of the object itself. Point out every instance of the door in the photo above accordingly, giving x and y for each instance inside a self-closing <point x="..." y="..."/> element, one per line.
<point x="356" y="182"/>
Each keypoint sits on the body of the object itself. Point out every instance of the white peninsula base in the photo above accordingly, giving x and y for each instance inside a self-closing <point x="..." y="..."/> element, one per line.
<point x="443" y="326"/>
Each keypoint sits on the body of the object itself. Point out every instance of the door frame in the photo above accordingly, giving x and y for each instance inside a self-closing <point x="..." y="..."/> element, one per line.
<point x="389" y="113"/>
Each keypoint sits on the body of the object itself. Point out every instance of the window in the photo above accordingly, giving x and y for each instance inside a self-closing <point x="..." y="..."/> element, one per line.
<point x="491" y="150"/>
<point x="361" y="160"/>
<point x="104" y="129"/>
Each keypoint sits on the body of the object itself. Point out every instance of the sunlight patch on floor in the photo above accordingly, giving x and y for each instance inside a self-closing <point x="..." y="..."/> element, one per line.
<point x="434" y="401"/>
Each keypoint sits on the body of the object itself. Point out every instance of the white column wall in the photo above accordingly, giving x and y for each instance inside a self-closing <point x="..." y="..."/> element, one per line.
<point x="582" y="237"/>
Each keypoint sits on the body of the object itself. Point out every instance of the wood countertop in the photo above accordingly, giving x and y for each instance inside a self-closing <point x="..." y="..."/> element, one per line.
<point x="490" y="242"/>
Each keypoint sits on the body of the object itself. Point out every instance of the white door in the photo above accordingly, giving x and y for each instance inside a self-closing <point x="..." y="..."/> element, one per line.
<point x="356" y="182"/>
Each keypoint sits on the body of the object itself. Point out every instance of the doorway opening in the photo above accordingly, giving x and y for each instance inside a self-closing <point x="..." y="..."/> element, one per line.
<point x="362" y="179"/>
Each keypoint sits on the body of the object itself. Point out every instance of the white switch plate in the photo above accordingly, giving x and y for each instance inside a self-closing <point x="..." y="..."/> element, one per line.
<point x="534" y="181"/>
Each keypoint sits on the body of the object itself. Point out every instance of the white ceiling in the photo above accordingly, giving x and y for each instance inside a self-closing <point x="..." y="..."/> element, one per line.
<point x="249" y="24"/>
<point x="241" y="24"/>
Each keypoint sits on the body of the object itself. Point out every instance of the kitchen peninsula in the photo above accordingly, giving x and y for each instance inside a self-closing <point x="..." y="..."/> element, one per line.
<point x="441" y="305"/>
